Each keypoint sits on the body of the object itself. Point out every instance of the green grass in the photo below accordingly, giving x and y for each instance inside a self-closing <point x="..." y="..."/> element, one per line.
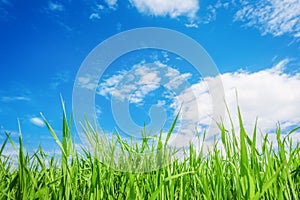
<point x="243" y="171"/>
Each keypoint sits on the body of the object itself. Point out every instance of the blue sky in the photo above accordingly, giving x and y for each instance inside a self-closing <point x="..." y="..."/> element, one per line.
<point x="255" y="46"/>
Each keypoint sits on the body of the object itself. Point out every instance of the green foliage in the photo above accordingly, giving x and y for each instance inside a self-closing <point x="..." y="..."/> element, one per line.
<point x="242" y="171"/>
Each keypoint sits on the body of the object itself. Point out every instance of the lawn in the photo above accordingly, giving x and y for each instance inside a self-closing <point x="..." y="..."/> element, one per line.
<point x="241" y="171"/>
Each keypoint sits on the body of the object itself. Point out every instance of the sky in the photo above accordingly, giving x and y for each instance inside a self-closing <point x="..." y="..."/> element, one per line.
<point x="254" y="45"/>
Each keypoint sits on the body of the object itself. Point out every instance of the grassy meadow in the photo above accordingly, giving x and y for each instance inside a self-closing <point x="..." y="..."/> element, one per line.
<point x="242" y="171"/>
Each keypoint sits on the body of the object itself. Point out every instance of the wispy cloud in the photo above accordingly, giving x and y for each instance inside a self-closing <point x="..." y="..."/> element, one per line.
<point x="59" y="78"/>
<point x="16" y="92"/>
<point x="7" y="2"/>
<point x="275" y="17"/>
<point x="14" y="98"/>
<point x="3" y="13"/>
<point x="4" y="7"/>
<point x="37" y="121"/>
<point x="172" y="8"/>
<point x="55" y="6"/>
<point x="98" y="111"/>
<point x="55" y="10"/>
<point x="94" y="16"/>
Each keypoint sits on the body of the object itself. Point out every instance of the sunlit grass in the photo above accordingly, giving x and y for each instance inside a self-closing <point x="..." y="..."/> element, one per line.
<point x="243" y="171"/>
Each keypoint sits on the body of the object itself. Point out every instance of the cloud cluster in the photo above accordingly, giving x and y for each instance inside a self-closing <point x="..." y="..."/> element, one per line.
<point x="271" y="95"/>
<point x="136" y="84"/>
<point x="88" y="82"/>
<point x="172" y="8"/>
<point x="276" y="17"/>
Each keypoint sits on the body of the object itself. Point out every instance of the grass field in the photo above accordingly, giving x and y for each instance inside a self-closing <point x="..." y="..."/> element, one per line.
<point x="244" y="171"/>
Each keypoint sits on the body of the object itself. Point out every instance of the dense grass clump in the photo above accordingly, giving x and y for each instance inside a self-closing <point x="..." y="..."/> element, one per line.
<point x="243" y="171"/>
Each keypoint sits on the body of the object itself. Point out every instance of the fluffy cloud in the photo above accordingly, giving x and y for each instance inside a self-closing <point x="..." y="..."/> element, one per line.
<point x="269" y="95"/>
<point x="276" y="17"/>
<point x="172" y="8"/>
<point x="37" y="121"/>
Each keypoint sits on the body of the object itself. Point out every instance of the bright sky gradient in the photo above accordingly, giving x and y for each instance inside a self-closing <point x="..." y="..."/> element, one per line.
<point x="256" y="47"/>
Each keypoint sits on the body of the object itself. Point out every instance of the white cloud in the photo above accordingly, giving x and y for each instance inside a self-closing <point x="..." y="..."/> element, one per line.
<point x="54" y="6"/>
<point x="133" y="85"/>
<point x="15" y="98"/>
<point x="211" y="14"/>
<point x="196" y="112"/>
<point x="99" y="7"/>
<point x="37" y="121"/>
<point x="191" y="25"/>
<point x="276" y="17"/>
<point x="136" y="84"/>
<point x="271" y="95"/>
<point x="161" y="103"/>
<point x="94" y="16"/>
<point x="111" y="3"/>
<point x="172" y="8"/>
<point x="177" y="80"/>
<point x="88" y="82"/>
